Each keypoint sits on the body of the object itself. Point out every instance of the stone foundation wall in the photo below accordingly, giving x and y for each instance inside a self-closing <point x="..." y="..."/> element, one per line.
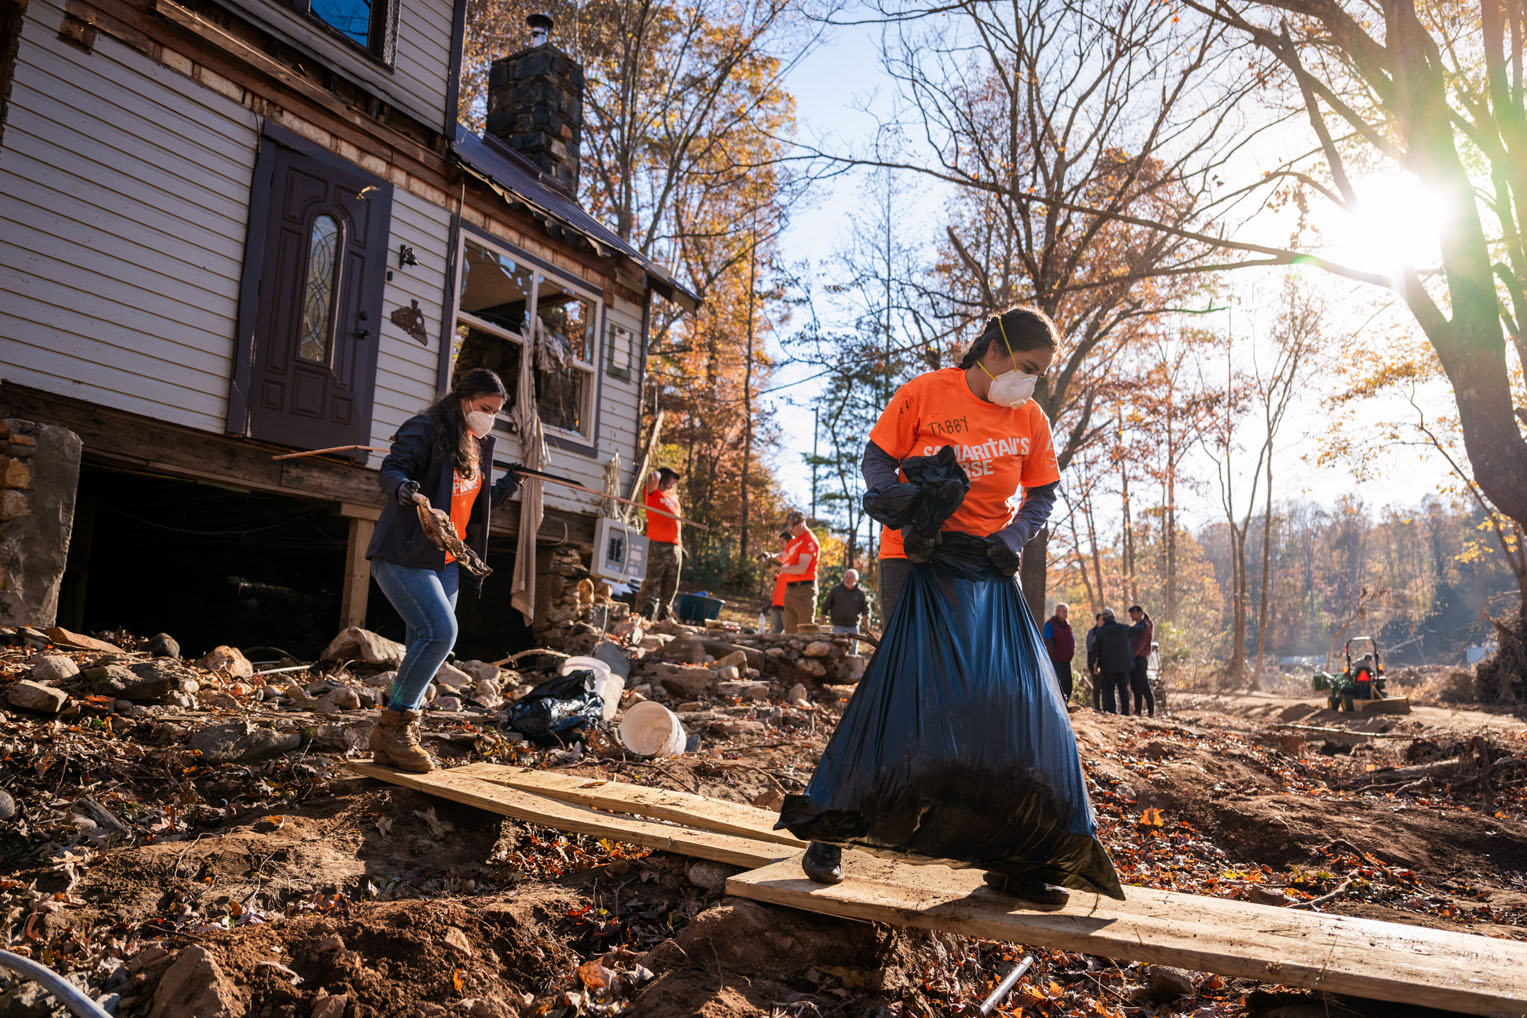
<point x="39" y="474"/>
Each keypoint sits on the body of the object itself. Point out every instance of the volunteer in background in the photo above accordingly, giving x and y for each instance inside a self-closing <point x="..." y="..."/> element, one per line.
<point x="441" y="458"/>
<point x="1001" y="439"/>
<point x="847" y="607"/>
<point x="1061" y="644"/>
<point x="1115" y="661"/>
<point x="665" y="552"/>
<point x="1142" y="631"/>
<point x="800" y="573"/>
<point x="1093" y="672"/>
<point x="777" y="602"/>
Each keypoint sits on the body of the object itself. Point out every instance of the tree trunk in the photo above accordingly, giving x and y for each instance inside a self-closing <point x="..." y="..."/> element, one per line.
<point x="747" y="402"/>
<point x="1267" y="522"/>
<point x="1032" y="572"/>
<point x="1169" y="537"/>
<point x="1131" y="592"/>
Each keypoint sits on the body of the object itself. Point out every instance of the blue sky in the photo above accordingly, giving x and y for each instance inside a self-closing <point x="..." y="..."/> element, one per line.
<point x="842" y="75"/>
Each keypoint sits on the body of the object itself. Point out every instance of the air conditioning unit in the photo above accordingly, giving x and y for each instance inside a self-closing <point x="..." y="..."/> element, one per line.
<point x="620" y="552"/>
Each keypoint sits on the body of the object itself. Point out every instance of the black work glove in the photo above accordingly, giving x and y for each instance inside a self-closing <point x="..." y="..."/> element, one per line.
<point x="1002" y="552"/>
<point x="918" y="545"/>
<point x="406" y="492"/>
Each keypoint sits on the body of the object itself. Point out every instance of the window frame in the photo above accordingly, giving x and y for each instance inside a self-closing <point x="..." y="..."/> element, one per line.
<point x="585" y="441"/>
<point x="383" y="44"/>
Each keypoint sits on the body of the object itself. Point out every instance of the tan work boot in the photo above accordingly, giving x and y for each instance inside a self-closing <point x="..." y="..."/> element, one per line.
<point x="395" y="744"/>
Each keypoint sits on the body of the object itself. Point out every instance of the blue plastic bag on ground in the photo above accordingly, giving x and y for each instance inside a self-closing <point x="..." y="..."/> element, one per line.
<point x="956" y="745"/>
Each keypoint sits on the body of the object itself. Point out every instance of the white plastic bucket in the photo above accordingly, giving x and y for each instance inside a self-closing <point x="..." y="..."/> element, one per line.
<point x="606" y="683"/>
<point x="650" y="729"/>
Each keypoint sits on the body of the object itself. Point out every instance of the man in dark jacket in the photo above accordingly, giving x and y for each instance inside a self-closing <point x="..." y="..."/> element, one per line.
<point x="1093" y="674"/>
<point x="1115" y="659"/>
<point x="1142" y="632"/>
<point x="1061" y="644"/>
<point x="846" y="605"/>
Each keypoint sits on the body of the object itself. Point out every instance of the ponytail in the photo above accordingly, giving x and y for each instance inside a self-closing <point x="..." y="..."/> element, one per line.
<point x="1025" y="328"/>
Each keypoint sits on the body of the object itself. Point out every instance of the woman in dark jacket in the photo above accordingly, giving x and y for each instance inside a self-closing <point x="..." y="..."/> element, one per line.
<point x="441" y="458"/>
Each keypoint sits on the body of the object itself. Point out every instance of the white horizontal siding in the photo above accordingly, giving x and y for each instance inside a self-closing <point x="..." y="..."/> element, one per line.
<point x="406" y="369"/>
<point x="417" y="81"/>
<point x="124" y="198"/>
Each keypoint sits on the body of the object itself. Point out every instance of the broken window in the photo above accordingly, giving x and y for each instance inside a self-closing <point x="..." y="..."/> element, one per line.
<point x="368" y="24"/>
<point x="506" y="308"/>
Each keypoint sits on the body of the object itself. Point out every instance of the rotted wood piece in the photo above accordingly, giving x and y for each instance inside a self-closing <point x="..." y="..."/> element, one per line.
<point x="442" y="534"/>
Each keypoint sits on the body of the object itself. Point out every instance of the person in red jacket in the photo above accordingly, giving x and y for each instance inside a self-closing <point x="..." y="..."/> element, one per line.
<point x="665" y="553"/>
<point x="1061" y="644"/>
<point x="1142" y="631"/>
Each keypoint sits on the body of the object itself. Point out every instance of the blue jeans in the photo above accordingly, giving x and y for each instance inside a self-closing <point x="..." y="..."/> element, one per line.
<point x="427" y="601"/>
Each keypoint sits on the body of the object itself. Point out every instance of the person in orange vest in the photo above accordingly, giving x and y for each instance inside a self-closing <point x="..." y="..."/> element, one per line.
<point x="777" y="601"/>
<point x="800" y="573"/>
<point x="665" y="551"/>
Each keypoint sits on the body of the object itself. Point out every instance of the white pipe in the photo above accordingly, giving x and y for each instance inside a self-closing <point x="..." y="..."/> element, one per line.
<point x="73" y="997"/>
<point x="1006" y="986"/>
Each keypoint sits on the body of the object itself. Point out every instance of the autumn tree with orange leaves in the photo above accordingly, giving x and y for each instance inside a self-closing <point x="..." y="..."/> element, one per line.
<point x="683" y="108"/>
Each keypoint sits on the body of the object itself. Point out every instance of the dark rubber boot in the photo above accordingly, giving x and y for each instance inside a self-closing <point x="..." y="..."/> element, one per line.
<point x="823" y="863"/>
<point x="1031" y="890"/>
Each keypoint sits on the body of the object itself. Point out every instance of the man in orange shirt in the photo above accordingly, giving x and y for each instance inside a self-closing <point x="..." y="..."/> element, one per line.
<point x="664" y="550"/>
<point x="800" y="573"/>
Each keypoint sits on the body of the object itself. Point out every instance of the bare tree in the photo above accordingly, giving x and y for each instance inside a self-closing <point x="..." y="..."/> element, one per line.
<point x="1051" y="123"/>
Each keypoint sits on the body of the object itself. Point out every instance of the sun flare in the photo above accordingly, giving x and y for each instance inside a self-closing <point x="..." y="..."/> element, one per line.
<point x="1396" y="223"/>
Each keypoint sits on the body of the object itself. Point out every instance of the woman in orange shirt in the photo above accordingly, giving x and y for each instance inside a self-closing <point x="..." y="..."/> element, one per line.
<point x="1000" y="436"/>
<point x="1001" y="439"/>
<point x="442" y="458"/>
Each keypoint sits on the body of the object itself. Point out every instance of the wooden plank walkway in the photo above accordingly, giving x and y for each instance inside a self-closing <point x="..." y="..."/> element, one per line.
<point x="539" y="809"/>
<point x="1338" y="954"/>
<point x="684" y="808"/>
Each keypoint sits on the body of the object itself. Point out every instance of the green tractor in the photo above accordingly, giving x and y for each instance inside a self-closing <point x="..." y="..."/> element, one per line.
<point x="1363" y="679"/>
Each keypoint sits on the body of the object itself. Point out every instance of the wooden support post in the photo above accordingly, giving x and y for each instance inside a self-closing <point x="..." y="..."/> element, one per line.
<point x="352" y="605"/>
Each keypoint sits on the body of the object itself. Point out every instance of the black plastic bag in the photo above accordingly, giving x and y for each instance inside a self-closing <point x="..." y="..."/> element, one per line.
<point x="956" y="745"/>
<point x="934" y="489"/>
<point x="559" y="710"/>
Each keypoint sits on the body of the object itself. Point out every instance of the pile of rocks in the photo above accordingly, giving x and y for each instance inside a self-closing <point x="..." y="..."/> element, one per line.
<point x="689" y="662"/>
<point x="573" y="608"/>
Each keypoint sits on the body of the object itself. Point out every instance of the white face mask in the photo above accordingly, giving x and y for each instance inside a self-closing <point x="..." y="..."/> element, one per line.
<point x="1012" y="388"/>
<point x="479" y="422"/>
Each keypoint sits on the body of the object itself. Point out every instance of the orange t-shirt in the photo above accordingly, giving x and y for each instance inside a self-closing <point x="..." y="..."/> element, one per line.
<point x="664" y="529"/>
<point x="1002" y="449"/>
<point x="779" y="591"/>
<point x="806" y="546"/>
<point x="463" y="497"/>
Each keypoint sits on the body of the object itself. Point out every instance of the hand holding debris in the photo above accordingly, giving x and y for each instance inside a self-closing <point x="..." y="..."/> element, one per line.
<point x="439" y="529"/>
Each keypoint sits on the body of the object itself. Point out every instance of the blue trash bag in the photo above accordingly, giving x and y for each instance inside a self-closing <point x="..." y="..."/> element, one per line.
<point x="559" y="710"/>
<point x="956" y="745"/>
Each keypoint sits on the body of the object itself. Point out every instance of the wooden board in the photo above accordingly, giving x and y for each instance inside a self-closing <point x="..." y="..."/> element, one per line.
<point x="685" y="808"/>
<point x="1338" y="954"/>
<point x="539" y="809"/>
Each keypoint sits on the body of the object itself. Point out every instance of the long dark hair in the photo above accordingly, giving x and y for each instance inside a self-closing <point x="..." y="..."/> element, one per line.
<point x="451" y="435"/>
<point x="1026" y="327"/>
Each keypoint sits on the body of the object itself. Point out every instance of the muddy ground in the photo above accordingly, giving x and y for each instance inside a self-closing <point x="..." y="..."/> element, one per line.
<point x="170" y="885"/>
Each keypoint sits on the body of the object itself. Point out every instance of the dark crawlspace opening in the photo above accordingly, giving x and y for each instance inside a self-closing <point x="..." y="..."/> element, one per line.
<point x="212" y="565"/>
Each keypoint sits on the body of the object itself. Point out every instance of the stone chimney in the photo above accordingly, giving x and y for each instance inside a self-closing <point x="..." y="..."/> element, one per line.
<point x="535" y="104"/>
